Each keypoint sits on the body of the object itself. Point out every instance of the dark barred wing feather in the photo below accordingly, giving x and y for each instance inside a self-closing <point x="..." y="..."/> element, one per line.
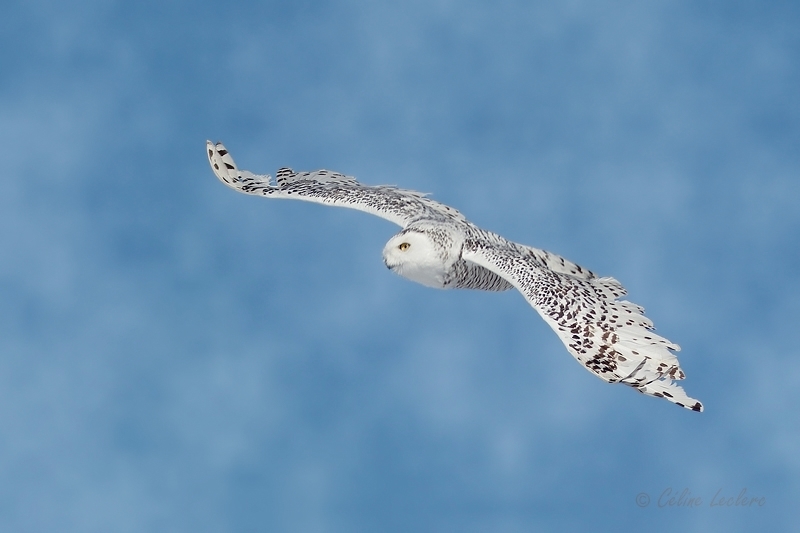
<point x="331" y="188"/>
<point x="610" y="337"/>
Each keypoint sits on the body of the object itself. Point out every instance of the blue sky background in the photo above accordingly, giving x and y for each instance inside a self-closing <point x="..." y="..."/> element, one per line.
<point x="178" y="357"/>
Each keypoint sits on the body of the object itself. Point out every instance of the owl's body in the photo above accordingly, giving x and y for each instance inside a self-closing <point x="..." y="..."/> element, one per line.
<point x="438" y="247"/>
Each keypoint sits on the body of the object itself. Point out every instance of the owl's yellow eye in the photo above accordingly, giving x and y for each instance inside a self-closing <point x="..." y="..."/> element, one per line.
<point x="404" y="246"/>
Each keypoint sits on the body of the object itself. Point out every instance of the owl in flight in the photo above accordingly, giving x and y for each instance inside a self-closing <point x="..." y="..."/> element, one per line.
<point x="438" y="247"/>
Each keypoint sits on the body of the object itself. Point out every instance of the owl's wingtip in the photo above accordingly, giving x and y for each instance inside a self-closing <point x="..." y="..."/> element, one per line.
<point x="222" y="163"/>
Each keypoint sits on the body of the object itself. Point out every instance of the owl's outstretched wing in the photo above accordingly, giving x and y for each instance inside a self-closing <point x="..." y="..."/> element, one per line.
<point x="612" y="338"/>
<point x="325" y="187"/>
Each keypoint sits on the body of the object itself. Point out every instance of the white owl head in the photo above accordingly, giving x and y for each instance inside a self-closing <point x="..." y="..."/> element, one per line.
<point x="413" y="254"/>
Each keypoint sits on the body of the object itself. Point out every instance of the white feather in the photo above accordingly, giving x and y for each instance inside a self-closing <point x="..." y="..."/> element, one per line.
<point x="438" y="247"/>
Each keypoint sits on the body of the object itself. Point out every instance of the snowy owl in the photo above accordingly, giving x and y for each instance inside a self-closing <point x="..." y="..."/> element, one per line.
<point x="438" y="247"/>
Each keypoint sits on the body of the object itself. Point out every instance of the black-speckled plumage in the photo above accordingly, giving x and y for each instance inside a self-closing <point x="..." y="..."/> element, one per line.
<point x="610" y="337"/>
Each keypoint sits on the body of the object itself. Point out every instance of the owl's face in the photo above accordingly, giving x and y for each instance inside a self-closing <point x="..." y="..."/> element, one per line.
<point x="413" y="255"/>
